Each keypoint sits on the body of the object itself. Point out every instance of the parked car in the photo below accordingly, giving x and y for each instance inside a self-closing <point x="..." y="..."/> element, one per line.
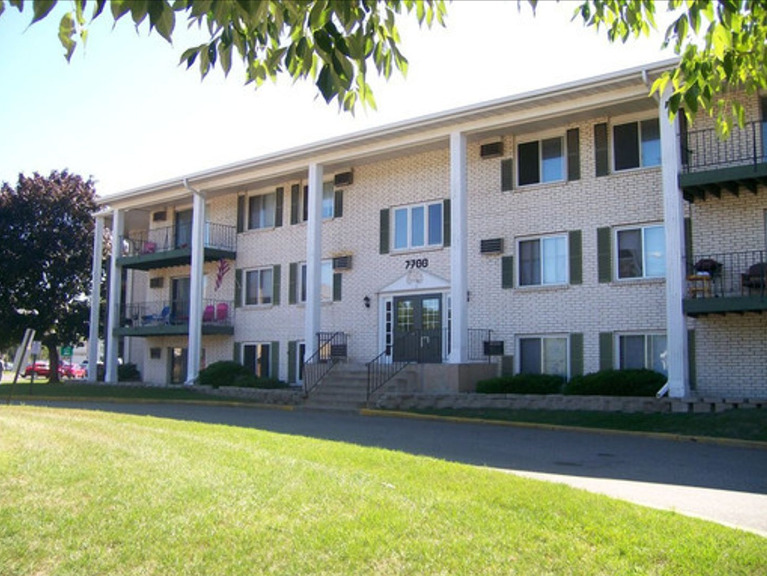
<point x="69" y="370"/>
<point x="39" y="368"/>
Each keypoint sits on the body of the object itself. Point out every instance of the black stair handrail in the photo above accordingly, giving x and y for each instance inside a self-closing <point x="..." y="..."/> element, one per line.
<point x="381" y="371"/>
<point x="332" y="347"/>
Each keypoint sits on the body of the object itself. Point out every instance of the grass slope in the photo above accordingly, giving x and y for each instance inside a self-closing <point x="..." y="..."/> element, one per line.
<point x="94" y="493"/>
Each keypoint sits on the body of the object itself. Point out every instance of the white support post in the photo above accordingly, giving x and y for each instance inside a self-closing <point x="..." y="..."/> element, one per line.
<point x="96" y="271"/>
<point x="196" y="286"/>
<point x="459" y="291"/>
<point x="113" y="299"/>
<point x="313" y="260"/>
<point x="673" y="207"/>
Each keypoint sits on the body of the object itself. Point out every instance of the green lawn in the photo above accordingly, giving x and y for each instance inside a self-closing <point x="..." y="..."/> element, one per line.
<point x="86" y="492"/>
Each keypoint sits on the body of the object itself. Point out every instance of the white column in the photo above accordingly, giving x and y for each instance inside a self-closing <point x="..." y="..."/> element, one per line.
<point x="96" y="271"/>
<point x="673" y="208"/>
<point x="313" y="260"/>
<point x="459" y="282"/>
<point x="113" y="300"/>
<point x="196" y="287"/>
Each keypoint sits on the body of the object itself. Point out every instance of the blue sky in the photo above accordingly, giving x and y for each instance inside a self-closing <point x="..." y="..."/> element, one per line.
<point x="124" y="112"/>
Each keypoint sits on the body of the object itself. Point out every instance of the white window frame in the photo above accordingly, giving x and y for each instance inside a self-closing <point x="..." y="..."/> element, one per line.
<point x="642" y="161"/>
<point x="543" y="240"/>
<point x="645" y="256"/>
<point x="408" y="211"/>
<point x="259" y="352"/>
<point x="259" y="272"/>
<point x="326" y="282"/>
<point x="328" y="201"/>
<point x="562" y="160"/>
<point x="541" y="338"/>
<point x="649" y="345"/>
<point x="263" y="221"/>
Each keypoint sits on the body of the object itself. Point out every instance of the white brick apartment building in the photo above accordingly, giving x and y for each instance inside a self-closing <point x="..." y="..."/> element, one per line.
<point x="555" y="231"/>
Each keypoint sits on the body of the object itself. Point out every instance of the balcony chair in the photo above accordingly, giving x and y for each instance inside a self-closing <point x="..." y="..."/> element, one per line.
<point x="755" y="278"/>
<point x="162" y="318"/>
<point x="209" y="313"/>
<point x="148" y="248"/>
<point x="222" y="312"/>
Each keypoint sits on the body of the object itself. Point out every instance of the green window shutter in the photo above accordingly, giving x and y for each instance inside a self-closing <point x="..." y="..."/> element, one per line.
<point x="688" y="254"/>
<point x="446" y="224"/>
<point x="575" y="249"/>
<point x="276" y="284"/>
<point x="238" y="287"/>
<point x="305" y="207"/>
<point x="292" y="282"/>
<point x="292" y="351"/>
<point x="337" y="279"/>
<point x="576" y="354"/>
<point x="573" y="154"/>
<point x="691" y="364"/>
<point x="237" y="352"/>
<point x="507" y="175"/>
<point x="338" y="204"/>
<point x="240" y="214"/>
<point x="606" y="359"/>
<point x="295" y="197"/>
<point x="684" y="145"/>
<point x="604" y="255"/>
<point x="601" y="150"/>
<point x="274" y="361"/>
<point x="383" y="232"/>
<point x="279" y="195"/>
<point x="507" y="272"/>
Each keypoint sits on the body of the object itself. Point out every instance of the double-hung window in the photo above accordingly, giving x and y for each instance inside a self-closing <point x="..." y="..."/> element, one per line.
<point x="636" y="144"/>
<point x="541" y="161"/>
<point x="543" y="261"/>
<point x="259" y="287"/>
<point x="326" y="282"/>
<point x="418" y="226"/>
<point x="543" y="355"/>
<point x="257" y="357"/>
<point x="637" y="351"/>
<point x="261" y="211"/>
<point x="641" y="252"/>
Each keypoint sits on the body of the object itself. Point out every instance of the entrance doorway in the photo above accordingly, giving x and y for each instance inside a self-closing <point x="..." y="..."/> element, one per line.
<point x="179" y="300"/>
<point x="178" y="358"/>
<point x="183" y="235"/>
<point x="418" y="333"/>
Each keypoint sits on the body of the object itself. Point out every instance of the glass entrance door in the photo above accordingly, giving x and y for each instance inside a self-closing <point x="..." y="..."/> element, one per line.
<point x="418" y="328"/>
<point x="177" y="366"/>
<point x="179" y="302"/>
<point x="183" y="235"/>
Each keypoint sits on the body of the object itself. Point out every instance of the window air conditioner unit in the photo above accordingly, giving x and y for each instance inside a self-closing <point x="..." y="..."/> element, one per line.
<point x="491" y="246"/>
<point x="343" y="179"/>
<point x="491" y="150"/>
<point x="342" y="263"/>
<point x="160" y="216"/>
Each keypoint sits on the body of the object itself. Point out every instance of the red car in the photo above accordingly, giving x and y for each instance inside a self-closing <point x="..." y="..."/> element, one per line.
<point x="39" y="368"/>
<point x="71" y="370"/>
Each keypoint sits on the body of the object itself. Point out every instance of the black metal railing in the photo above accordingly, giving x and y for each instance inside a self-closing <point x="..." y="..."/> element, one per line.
<point x="176" y="313"/>
<point x="424" y="346"/>
<point x="705" y="150"/>
<point x="332" y="347"/>
<point x="727" y="274"/>
<point x="219" y="236"/>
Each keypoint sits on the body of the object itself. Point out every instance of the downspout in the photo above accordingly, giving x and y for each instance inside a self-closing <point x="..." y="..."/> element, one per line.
<point x="195" y="284"/>
<point x="646" y="80"/>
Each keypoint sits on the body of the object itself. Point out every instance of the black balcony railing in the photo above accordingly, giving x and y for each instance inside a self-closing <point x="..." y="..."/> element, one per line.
<point x="167" y="238"/>
<point x="727" y="274"/>
<point x="705" y="150"/>
<point x="176" y="313"/>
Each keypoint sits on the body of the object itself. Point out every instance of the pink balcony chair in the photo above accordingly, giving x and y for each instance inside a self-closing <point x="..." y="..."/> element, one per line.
<point x="148" y="248"/>
<point x="222" y="312"/>
<point x="208" y="314"/>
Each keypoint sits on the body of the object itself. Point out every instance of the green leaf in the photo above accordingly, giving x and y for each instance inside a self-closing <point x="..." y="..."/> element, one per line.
<point x="162" y="18"/>
<point x="41" y="8"/>
<point x="66" y="32"/>
<point x="138" y="11"/>
<point x="119" y="8"/>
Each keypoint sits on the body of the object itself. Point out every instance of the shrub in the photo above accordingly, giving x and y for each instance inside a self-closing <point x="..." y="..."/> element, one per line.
<point x="230" y="373"/>
<point x="126" y="373"/>
<point x="616" y="383"/>
<point x="522" y="384"/>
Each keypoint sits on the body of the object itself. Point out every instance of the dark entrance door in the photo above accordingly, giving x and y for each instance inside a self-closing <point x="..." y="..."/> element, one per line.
<point x="183" y="235"/>
<point x="418" y="328"/>
<point x="177" y="367"/>
<point x="179" y="302"/>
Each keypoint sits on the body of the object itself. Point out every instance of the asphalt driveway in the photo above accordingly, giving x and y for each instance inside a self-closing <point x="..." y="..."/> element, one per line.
<point x="726" y="484"/>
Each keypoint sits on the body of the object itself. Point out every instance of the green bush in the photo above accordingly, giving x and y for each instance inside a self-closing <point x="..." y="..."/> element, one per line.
<point x="522" y="384"/>
<point x="230" y="373"/>
<point x="127" y="373"/>
<point x="616" y="383"/>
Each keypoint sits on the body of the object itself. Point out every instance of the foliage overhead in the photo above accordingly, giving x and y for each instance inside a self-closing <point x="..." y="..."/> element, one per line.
<point x="46" y="247"/>
<point x="721" y="44"/>
<point x="329" y="41"/>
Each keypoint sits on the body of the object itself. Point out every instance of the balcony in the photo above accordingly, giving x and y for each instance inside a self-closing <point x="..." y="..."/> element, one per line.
<point x="172" y="246"/>
<point x="723" y="283"/>
<point x="168" y="318"/>
<point x="712" y="166"/>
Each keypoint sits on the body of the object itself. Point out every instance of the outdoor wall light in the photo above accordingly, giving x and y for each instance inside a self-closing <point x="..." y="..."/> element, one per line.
<point x="366" y="300"/>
